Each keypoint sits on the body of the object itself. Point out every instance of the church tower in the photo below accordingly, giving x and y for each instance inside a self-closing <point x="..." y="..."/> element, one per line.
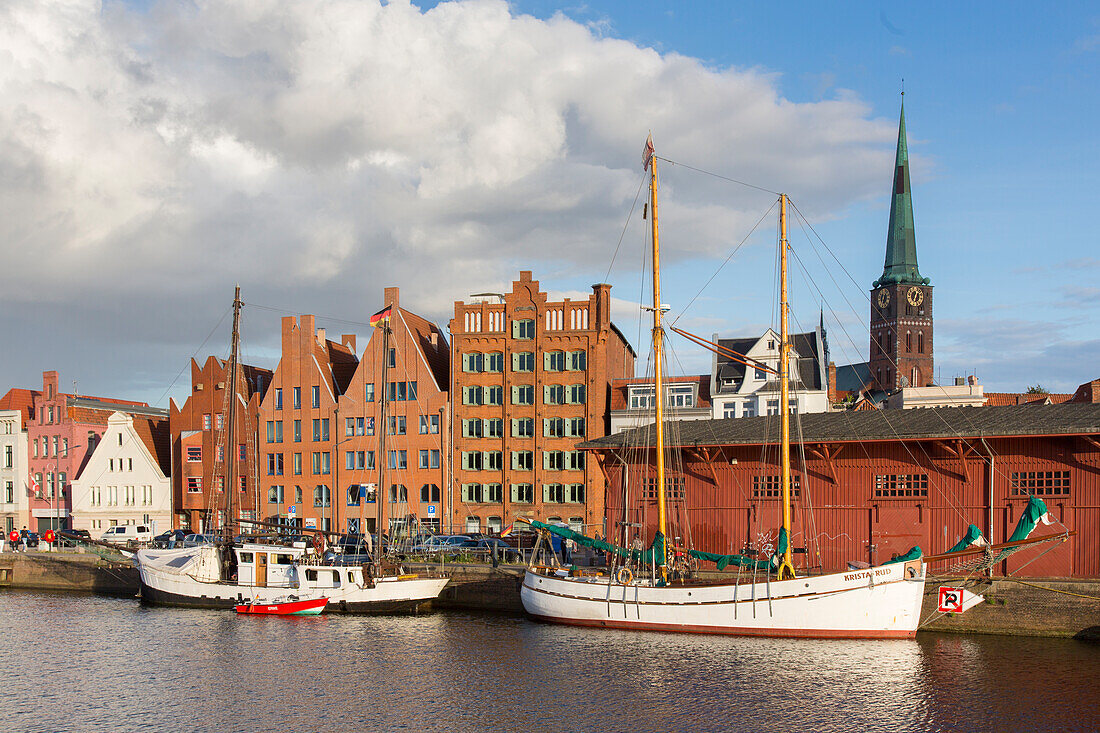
<point x="901" y="300"/>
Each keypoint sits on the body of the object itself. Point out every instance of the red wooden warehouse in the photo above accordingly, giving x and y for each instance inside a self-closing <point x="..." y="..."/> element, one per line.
<point x="869" y="485"/>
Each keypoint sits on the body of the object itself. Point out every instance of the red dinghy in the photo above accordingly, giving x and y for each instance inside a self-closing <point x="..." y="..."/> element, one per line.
<point x="310" y="607"/>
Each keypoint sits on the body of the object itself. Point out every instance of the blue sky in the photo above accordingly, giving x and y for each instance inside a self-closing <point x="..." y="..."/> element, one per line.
<point x="158" y="153"/>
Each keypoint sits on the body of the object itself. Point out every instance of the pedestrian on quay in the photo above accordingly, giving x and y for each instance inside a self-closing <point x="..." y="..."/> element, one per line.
<point x="13" y="539"/>
<point x="23" y="537"/>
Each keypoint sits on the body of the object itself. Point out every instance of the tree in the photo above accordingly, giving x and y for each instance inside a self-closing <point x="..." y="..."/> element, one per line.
<point x="1038" y="389"/>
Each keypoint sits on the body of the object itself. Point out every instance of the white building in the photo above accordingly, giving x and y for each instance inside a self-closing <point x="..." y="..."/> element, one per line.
<point x="126" y="478"/>
<point x="632" y="405"/>
<point x="740" y="390"/>
<point x="963" y="393"/>
<point x="15" y="411"/>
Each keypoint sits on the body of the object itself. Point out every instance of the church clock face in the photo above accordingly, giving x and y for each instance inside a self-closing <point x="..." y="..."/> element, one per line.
<point x="914" y="296"/>
<point x="883" y="298"/>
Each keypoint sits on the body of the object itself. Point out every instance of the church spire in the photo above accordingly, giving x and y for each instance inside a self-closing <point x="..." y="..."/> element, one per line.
<point x="901" y="240"/>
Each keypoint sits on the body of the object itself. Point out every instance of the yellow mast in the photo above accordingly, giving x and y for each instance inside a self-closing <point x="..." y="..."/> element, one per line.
<point x="658" y="342"/>
<point x="786" y="568"/>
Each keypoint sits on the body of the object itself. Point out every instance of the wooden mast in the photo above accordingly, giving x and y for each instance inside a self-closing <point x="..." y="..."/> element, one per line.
<point x="786" y="569"/>
<point x="379" y="493"/>
<point x="658" y="344"/>
<point x="231" y="392"/>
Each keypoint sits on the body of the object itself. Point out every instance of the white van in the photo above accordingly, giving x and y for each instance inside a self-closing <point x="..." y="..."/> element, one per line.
<point x="125" y="533"/>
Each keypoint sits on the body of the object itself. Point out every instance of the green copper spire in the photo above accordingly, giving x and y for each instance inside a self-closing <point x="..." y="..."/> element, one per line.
<point x="901" y="240"/>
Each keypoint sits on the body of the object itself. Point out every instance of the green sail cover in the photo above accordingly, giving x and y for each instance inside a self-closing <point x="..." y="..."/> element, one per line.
<point x="646" y="557"/>
<point x="913" y="554"/>
<point x="1032" y="514"/>
<point x="973" y="536"/>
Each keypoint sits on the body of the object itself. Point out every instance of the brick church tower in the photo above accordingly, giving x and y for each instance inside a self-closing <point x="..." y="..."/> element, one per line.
<point x="901" y="300"/>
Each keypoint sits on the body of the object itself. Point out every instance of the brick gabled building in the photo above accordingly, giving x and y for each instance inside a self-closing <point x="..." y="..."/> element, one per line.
<point x="198" y="438"/>
<point x="297" y="422"/>
<point x="65" y="429"/>
<point x="417" y="446"/>
<point x="530" y="379"/>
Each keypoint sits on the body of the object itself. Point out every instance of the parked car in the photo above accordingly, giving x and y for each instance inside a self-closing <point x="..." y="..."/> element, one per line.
<point x="448" y="544"/>
<point x="353" y="544"/>
<point x="125" y="533"/>
<point x="72" y="537"/>
<point x="521" y="539"/>
<point x="503" y="550"/>
<point x="169" y="539"/>
<point x="194" y="540"/>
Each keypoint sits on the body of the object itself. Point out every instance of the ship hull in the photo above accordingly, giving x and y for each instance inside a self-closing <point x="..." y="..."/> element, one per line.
<point x="877" y="603"/>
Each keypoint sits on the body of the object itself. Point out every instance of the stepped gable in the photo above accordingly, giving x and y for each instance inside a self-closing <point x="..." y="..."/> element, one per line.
<point x="1069" y="418"/>
<point x="435" y="351"/>
<point x="20" y="399"/>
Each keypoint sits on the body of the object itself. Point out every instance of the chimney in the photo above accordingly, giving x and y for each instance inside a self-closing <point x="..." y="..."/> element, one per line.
<point x="831" y="387"/>
<point x="290" y="323"/>
<point x="392" y="297"/>
<point x="602" y="316"/>
<point x="435" y="340"/>
<point x="348" y="339"/>
<point x="321" y="336"/>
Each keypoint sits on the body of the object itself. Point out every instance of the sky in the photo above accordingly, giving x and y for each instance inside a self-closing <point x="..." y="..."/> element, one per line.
<point x="154" y="154"/>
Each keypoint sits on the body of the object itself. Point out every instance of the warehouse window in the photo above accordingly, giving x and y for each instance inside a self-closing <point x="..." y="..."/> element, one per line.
<point x="770" y="487"/>
<point x="894" y="486"/>
<point x="1040" y="483"/>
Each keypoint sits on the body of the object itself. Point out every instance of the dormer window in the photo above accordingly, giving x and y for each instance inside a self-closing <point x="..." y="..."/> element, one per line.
<point x="771" y="344"/>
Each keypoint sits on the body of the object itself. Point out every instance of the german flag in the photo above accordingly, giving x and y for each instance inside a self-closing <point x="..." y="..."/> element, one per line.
<point x="508" y="530"/>
<point x="382" y="317"/>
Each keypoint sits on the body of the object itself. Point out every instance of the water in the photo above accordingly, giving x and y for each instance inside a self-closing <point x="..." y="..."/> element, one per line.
<point x="83" y="663"/>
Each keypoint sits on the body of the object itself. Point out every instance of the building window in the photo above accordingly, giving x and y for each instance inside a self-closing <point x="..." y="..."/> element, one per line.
<point x="769" y="487"/>
<point x="554" y="361"/>
<point x="471" y="460"/>
<point x="574" y="460"/>
<point x="674" y="488"/>
<point x="398" y="493"/>
<point x="297" y="395"/>
<point x="397" y="425"/>
<point x="399" y="459"/>
<point x="523" y="361"/>
<point x="494" y="428"/>
<point x="494" y="362"/>
<point x="278" y="398"/>
<point x="523" y="460"/>
<point x="429" y="493"/>
<point x="493" y="493"/>
<point x="523" y="493"/>
<point x="368" y="392"/>
<point x="908" y="342"/>
<point x="641" y="398"/>
<point x="576" y="393"/>
<point x="194" y="484"/>
<point x="429" y="424"/>
<point x="729" y="410"/>
<point x="523" y="329"/>
<point x="194" y="454"/>
<point x="759" y="374"/>
<point x="275" y="495"/>
<point x="297" y="464"/>
<point x="392" y="358"/>
<point x="681" y="395"/>
<point x="553" y="460"/>
<point x="315" y="395"/>
<point x="321" y="496"/>
<point x="494" y="395"/>
<point x="920" y="342"/>
<point x="553" y="427"/>
<point x="206" y="421"/>
<point x="563" y="494"/>
<point x="578" y="361"/>
<point x="523" y="427"/>
<point x="914" y="486"/>
<point x="1040" y="483"/>
<point x="472" y="428"/>
<point x="523" y="394"/>
<point x="773" y="407"/>
<point x="473" y="361"/>
<point x="297" y="494"/>
<point x="429" y="459"/>
<point x="493" y="460"/>
<point x="354" y="494"/>
<point x="9" y="456"/>
<point x="553" y="394"/>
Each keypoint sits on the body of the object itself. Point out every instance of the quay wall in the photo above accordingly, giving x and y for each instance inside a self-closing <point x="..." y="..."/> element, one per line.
<point x="68" y="571"/>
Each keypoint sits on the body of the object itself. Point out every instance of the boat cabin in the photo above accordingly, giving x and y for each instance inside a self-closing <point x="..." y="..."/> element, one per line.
<point x="268" y="566"/>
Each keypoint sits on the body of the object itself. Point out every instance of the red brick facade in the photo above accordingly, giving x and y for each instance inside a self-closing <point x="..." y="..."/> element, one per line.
<point x="901" y="336"/>
<point x="297" y="423"/>
<point x="531" y="379"/>
<point x="199" y="435"/>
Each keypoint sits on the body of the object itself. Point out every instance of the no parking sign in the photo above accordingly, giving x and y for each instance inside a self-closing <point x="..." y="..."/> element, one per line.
<point x="951" y="600"/>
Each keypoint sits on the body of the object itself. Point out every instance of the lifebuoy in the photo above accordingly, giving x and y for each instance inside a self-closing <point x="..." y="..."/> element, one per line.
<point x="624" y="576"/>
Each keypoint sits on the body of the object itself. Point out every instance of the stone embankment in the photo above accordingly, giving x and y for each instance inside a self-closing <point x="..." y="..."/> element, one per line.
<point x="108" y="574"/>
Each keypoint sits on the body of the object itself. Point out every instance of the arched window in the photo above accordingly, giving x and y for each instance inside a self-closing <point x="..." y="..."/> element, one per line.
<point x="915" y="378"/>
<point x="908" y="342"/>
<point x="920" y="342"/>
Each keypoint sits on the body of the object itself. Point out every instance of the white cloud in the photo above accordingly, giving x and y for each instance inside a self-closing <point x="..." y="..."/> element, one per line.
<point x="317" y="151"/>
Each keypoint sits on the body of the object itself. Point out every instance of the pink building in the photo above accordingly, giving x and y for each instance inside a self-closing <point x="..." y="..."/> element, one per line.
<point x="63" y="432"/>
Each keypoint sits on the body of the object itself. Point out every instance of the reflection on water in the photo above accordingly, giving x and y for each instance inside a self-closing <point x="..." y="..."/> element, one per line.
<point x="102" y="664"/>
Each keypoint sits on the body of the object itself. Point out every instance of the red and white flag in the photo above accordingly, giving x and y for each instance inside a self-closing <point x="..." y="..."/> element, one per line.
<point x="647" y="153"/>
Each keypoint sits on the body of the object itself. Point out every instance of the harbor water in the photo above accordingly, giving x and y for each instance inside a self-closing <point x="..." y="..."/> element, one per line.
<point x="86" y="663"/>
